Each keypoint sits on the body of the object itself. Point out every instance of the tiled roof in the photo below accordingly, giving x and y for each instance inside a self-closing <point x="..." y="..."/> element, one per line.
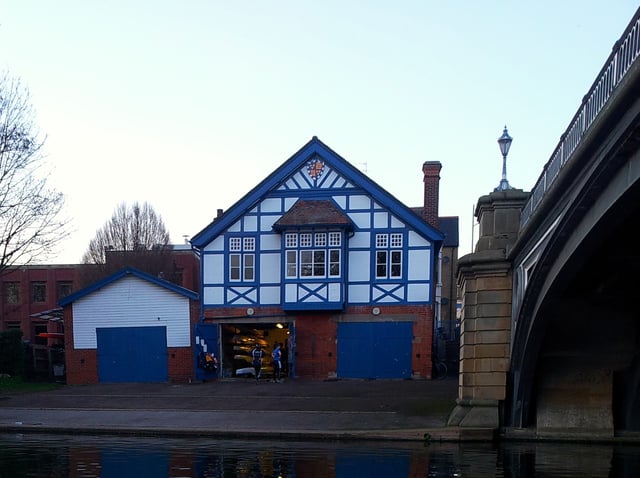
<point x="447" y="225"/>
<point x="313" y="213"/>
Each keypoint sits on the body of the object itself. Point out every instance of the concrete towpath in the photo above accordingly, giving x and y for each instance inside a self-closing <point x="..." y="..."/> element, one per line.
<point x="241" y="408"/>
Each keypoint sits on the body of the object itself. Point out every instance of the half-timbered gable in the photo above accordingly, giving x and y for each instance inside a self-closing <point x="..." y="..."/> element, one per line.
<point x="315" y="235"/>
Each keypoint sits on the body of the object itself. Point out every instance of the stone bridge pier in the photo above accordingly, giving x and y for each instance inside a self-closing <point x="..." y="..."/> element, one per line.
<point x="485" y="283"/>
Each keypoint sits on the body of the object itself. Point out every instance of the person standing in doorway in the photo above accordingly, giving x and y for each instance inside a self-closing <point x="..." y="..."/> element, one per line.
<point x="277" y="362"/>
<point x="256" y="354"/>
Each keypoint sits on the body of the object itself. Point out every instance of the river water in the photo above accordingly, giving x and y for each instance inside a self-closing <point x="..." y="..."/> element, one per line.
<point x="52" y="455"/>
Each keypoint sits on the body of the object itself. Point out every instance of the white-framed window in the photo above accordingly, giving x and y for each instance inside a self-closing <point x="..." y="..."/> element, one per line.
<point x="313" y="263"/>
<point x="389" y="256"/>
<point x="242" y="259"/>
<point x="292" y="262"/>
<point x="313" y="254"/>
<point x="291" y="240"/>
<point x="305" y="239"/>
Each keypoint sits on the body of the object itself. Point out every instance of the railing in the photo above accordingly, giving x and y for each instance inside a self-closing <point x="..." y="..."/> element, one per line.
<point x="625" y="52"/>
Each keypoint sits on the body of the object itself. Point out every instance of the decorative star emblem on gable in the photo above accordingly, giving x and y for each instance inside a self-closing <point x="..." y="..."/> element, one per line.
<point x="315" y="168"/>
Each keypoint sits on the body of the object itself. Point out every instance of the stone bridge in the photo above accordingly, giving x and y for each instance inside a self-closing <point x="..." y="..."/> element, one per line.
<point x="550" y="334"/>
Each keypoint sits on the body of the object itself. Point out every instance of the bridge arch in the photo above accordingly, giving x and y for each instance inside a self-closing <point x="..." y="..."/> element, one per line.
<point x="575" y="343"/>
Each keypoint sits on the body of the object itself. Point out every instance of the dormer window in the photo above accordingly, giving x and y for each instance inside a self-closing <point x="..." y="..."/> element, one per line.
<point x="313" y="233"/>
<point x="314" y="254"/>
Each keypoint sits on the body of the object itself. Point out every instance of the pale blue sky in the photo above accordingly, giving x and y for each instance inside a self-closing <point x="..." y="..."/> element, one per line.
<point x="189" y="104"/>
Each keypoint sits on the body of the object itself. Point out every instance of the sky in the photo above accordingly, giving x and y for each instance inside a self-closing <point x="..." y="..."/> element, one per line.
<point x="187" y="105"/>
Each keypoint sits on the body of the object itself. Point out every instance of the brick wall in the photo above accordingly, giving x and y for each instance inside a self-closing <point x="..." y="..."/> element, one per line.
<point x="180" y="364"/>
<point x="431" y="178"/>
<point x="316" y="346"/>
<point x="316" y="335"/>
<point x="81" y="366"/>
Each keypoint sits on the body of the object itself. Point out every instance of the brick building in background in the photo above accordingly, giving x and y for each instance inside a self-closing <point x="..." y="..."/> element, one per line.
<point x="29" y="297"/>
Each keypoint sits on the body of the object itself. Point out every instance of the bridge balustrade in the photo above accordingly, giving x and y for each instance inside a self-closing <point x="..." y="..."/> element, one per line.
<point x="624" y="54"/>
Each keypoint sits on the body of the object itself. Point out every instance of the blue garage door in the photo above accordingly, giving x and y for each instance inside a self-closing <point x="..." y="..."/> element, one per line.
<point x="132" y="354"/>
<point x="374" y="349"/>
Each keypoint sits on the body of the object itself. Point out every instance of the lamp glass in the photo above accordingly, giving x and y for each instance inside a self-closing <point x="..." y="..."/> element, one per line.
<point x="504" y="142"/>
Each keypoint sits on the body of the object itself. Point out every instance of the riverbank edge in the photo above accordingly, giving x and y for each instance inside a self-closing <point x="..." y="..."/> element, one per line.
<point x="426" y="436"/>
<point x="437" y="435"/>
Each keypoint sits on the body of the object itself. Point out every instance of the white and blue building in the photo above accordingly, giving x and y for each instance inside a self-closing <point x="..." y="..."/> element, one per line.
<point x="323" y="260"/>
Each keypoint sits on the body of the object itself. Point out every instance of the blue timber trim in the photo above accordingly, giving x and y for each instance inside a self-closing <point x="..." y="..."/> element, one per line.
<point x="336" y="162"/>
<point x="288" y="184"/>
<point x="127" y="271"/>
<point x="314" y="290"/>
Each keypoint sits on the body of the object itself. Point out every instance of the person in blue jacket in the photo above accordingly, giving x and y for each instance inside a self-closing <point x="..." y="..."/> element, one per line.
<point x="277" y="362"/>
<point x="256" y="360"/>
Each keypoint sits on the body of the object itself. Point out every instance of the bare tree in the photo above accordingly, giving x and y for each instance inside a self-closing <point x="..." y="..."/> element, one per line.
<point x="31" y="222"/>
<point x="135" y="236"/>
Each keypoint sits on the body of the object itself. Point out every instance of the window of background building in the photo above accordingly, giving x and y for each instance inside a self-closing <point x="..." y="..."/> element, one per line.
<point x="38" y="292"/>
<point x="12" y="292"/>
<point x="178" y="277"/>
<point x="64" y="288"/>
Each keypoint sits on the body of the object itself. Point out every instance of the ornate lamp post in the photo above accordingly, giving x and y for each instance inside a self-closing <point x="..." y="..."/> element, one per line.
<point x="504" y="142"/>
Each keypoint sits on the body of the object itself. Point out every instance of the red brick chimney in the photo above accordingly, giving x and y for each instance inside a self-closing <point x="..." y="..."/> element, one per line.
<point x="431" y="172"/>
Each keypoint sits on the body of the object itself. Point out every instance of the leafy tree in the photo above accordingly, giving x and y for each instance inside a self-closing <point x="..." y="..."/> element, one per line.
<point x="135" y="236"/>
<point x="30" y="213"/>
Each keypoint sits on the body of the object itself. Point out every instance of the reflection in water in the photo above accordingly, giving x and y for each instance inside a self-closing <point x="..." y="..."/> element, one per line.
<point x="39" y="455"/>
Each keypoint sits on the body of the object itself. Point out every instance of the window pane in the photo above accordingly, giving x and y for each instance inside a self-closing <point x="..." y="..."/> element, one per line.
<point x="291" y="240"/>
<point x="249" y="243"/>
<point x="305" y="263"/>
<point x="318" y="263"/>
<point x="396" y="240"/>
<point x="334" y="262"/>
<point x="234" y="266"/>
<point x="396" y="263"/>
<point x="292" y="265"/>
<point x="248" y="266"/>
<point x="12" y="292"/>
<point x="38" y="292"/>
<point x="305" y="240"/>
<point x="382" y="240"/>
<point x="64" y="289"/>
<point x="234" y="244"/>
<point x="321" y="239"/>
<point x="381" y="264"/>
<point x="334" y="239"/>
